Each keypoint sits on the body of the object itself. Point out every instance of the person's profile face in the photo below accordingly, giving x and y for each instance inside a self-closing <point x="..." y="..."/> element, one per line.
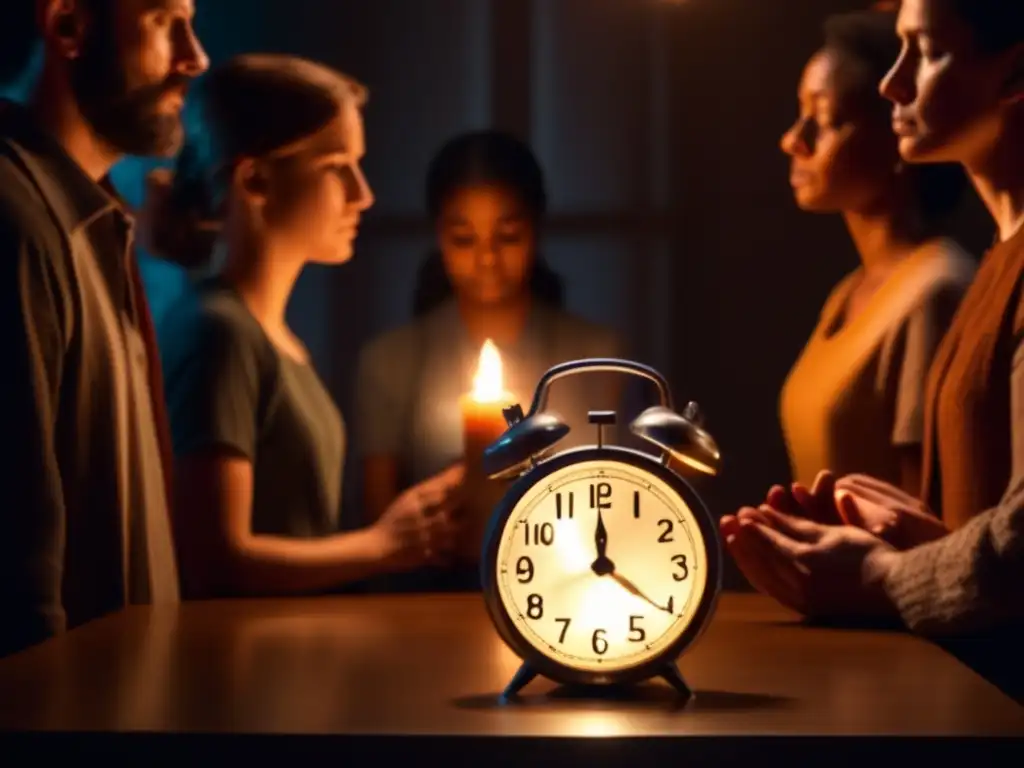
<point x="842" y="154"/>
<point x="318" y="192"/>
<point x="487" y="239"/>
<point x="947" y="93"/>
<point x="133" y="71"/>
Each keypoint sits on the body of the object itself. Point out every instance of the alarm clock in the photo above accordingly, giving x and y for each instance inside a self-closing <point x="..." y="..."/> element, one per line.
<point x="601" y="564"/>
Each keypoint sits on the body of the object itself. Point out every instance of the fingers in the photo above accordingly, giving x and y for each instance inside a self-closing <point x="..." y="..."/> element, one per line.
<point x="766" y="568"/>
<point x="877" y="490"/>
<point x="824" y="484"/>
<point x="792" y="527"/>
<point x="779" y="498"/>
<point x="852" y="514"/>
<point x="819" y="508"/>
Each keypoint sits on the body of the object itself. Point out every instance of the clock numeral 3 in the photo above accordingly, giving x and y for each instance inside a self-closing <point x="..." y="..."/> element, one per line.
<point x="542" y="533"/>
<point x="535" y="606"/>
<point x="524" y="570"/>
<point x="636" y="632"/>
<point x="666" y="535"/>
<point x="680" y="560"/>
<point x="565" y="628"/>
<point x="598" y="643"/>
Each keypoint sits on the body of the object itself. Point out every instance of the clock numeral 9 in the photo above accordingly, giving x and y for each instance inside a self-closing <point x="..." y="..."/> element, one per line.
<point x="680" y="560"/>
<point x="598" y="643"/>
<point x="636" y="632"/>
<point x="543" y="533"/>
<point x="535" y="606"/>
<point x="666" y="535"/>
<point x="524" y="570"/>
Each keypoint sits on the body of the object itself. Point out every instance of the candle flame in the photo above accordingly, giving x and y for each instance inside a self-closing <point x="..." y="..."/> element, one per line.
<point x="487" y="382"/>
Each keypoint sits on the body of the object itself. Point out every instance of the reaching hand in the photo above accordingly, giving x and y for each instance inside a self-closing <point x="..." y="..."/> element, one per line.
<point x="419" y="526"/>
<point x="887" y="511"/>
<point x="817" y="570"/>
<point x="816" y="503"/>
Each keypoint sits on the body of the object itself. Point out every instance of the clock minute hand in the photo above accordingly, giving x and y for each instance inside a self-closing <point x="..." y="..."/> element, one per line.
<point x="635" y="590"/>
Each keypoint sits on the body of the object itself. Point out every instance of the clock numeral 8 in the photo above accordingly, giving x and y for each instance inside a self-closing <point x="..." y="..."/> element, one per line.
<point x="524" y="570"/>
<point x="680" y="560"/>
<point x="535" y="606"/>
<point x="598" y="643"/>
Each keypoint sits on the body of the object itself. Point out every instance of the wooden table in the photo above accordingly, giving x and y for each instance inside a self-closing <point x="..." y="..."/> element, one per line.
<point x="395" y="677"/>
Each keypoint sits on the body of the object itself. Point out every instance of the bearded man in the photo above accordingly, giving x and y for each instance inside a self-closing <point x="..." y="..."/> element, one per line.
<point x="84" y="525"/>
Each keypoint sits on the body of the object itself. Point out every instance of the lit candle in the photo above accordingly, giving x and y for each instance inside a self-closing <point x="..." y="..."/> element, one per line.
<point x="482" y="424"/>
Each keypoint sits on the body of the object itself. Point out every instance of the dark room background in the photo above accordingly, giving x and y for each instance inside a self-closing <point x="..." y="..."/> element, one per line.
<point x="657" y="123"/>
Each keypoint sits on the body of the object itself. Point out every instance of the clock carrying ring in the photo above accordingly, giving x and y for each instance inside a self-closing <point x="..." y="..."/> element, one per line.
<point x="531" y="435"/>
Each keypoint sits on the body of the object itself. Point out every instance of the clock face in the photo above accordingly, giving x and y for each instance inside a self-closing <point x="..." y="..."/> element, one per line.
<point x="601" y="566"/>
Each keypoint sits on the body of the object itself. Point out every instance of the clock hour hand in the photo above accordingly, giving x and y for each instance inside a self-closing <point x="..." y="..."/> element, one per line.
<point x="602" y="566"/>
<point x="634" y="589"/>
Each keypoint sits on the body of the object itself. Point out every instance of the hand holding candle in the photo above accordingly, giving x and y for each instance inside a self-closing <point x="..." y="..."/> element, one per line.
<point x="482" y="424"/>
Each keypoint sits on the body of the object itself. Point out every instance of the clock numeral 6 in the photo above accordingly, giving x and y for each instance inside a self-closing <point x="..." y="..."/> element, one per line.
<point x="680" y="560"/>
<point x="535" y="606"/>
<point x="524" y="570"/>
<point x="598" y="643"/>
<point x="636" y="632"/>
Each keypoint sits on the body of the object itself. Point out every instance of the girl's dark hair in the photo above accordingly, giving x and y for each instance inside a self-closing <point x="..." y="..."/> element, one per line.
<point x="250" y="106"/>
<point x="868" y="42"/>
<point x="484" y="157"/>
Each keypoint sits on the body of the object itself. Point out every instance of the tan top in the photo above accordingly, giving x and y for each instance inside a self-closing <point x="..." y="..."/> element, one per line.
<point x="855" y="394"/>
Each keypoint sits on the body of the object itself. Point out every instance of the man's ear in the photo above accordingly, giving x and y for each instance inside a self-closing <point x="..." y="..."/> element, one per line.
<point x="250" y="180"/>
<point x="63" y="23"/>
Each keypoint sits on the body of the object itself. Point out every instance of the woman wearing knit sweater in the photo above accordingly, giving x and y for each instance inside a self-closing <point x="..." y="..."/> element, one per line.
<point x="951" y="563"/>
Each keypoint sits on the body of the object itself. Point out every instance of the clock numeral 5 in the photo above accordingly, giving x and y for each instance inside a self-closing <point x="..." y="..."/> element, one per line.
<point x="636" y="632"/>
<point x="680" y="560"/>
<point x="524" y="570"/>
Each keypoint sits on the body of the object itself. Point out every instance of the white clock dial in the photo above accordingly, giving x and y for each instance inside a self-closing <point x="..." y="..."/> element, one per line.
<point x="624" y="616"/>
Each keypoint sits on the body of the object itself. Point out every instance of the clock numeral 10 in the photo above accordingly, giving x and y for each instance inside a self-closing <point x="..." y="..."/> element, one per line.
<point x="542" y="533"/>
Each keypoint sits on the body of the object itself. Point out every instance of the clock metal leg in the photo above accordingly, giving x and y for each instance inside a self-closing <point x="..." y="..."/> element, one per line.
<point x="670" y="674"/>
<point x="521" y="679"/>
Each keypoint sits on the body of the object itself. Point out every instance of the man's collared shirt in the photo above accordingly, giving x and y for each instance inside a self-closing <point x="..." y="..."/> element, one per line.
<point x="84" y="526"/>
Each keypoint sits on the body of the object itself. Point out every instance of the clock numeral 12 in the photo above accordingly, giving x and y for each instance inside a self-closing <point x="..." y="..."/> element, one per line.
<point x="600" y="495"/>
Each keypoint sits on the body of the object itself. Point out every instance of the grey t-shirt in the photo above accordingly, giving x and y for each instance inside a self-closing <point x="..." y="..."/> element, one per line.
<point x="410" y="379"/>
<point x="230" y="389"/>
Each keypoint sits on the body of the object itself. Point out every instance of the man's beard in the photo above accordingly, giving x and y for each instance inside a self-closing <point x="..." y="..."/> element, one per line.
<point x="123" y="115"/>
